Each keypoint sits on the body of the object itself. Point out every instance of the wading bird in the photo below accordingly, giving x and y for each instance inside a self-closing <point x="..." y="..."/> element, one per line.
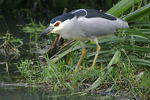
<point x="84" y="25"/>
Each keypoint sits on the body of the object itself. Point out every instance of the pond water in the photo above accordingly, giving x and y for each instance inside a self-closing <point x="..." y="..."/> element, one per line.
<point x="12" y="23"/>
<point x="20" y="26"/>
<point x="44" y="93"/>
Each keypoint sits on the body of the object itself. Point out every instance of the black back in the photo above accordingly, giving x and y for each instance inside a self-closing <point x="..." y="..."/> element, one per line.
<point x="87" y="13"/>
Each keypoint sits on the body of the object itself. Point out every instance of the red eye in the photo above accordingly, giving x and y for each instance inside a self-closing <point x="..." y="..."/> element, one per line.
<point x="57" y="24"/>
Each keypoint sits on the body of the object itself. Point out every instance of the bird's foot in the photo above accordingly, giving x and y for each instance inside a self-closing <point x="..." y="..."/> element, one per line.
<point x="91" y="68"/>
<point x="77" y="70"/>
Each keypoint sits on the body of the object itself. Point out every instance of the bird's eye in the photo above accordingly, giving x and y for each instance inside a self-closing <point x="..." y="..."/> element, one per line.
<point x="57" y="24"/>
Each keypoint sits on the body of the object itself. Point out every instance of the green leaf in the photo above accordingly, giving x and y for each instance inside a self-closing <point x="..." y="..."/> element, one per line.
<point x="136" y="15"/>
<point x="108" y="69"/>
<point x="137" y="49"/>
<point x="136" y="32"/>
<point x="100" y="53"/>
<point x="122" y="6"/>
<point x="140" y="23"/>
<point x="141" y="62"/>
<point x="145" y="31"/>
<point x="65" y="51"/>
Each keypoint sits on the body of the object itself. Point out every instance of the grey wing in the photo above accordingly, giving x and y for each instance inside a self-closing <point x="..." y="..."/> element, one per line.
<point x="98" y="14"/>
<point x="95" y="23"/>
<point x="95" y="27"/>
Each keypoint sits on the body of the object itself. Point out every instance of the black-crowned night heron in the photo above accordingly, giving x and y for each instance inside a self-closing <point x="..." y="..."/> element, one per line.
<point x="84" y="25"/>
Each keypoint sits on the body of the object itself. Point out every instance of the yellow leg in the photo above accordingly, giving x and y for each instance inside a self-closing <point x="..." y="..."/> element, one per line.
<point x="97" y="52"/>
<point x="79" y="62"/>
<point x="83" y="54"/>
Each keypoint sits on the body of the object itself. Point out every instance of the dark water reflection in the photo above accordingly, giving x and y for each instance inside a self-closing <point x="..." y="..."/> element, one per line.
<point x="13" y="23"/>
<point x="36" y="93"/>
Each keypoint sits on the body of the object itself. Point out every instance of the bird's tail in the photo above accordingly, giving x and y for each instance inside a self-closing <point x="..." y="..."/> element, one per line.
<point x="122" y="24"/>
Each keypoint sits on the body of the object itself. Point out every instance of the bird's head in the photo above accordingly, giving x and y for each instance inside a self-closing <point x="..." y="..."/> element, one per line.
<point x="57" y="24"/>
<point x="53" y="28"/>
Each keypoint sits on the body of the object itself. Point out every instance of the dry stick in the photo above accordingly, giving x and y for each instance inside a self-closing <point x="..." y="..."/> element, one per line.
<point x="12" y="47"/>
<point x="12" y="58"/>
<point x="146" y="53"/>
<point x="65" y="11"/>
<point x="6" y="66"/>
<point x="3" y="44"/>
<point x="57" y="37"/>
<point x="51" y="49"/>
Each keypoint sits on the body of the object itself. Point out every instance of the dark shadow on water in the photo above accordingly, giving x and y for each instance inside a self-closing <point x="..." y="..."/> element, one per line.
<point x="44" y="93"/>
<point x="13" y="22"/>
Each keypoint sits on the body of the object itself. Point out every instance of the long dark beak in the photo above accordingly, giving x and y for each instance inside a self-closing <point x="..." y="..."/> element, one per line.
<point x="49" y="29"/>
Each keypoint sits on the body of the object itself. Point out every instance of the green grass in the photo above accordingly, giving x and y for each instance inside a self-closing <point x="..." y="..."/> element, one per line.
<point x="34" y="30"/>
<point x="122" y="76"/>
<point x="10" y="45"/>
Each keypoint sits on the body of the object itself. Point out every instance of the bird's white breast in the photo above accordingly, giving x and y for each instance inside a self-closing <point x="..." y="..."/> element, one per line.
<point x="71" y="29"/>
